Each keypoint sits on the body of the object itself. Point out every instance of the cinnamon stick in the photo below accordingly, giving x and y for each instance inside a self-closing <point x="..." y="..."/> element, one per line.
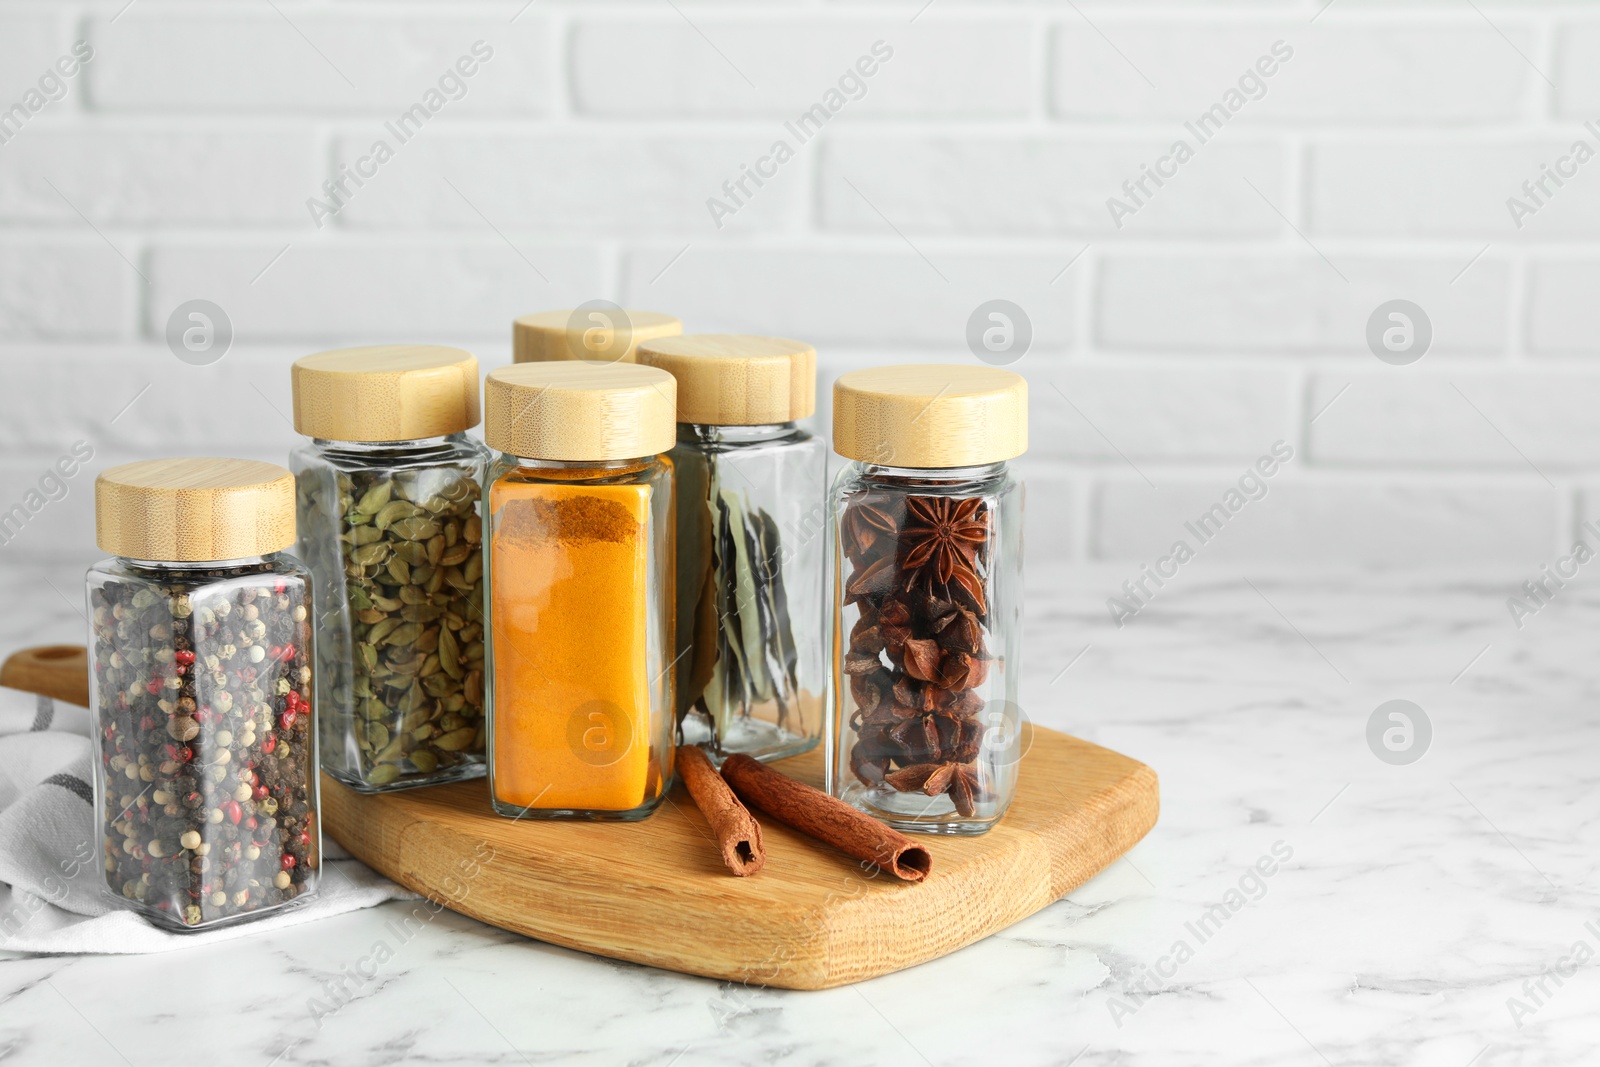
<point x="738" y="834"/>
<point x="816" y="814"/>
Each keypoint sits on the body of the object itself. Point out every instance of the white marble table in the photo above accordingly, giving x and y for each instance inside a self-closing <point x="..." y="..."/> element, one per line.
<point x="1417" y="901"/>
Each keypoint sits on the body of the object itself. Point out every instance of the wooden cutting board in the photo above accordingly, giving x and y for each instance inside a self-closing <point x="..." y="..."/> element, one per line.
<point x="656" y="892"/>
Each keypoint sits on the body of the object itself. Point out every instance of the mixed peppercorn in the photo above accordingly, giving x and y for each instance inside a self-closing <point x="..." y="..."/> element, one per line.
<point x="203" y="687"/>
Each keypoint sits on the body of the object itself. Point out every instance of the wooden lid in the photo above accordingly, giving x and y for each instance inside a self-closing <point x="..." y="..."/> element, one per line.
<point x="385" y="393"/>
<point x="601" y="335"/>
<point x="574" y="410"/>
<point x="194" y="510"/>
<point x="926" y="415"/>
<point x="727" y="379"/>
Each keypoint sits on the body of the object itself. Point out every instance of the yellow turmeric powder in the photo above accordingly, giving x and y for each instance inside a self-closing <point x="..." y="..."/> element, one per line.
<point x="578" y="562"/>
<point x="570" y="604"/>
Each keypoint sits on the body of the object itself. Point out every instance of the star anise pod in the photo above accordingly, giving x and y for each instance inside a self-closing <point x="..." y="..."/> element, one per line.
<point x="868" y="765"/>
<point x="908" y="693"/>
<point x="931" y="778"/>
<point x="962" y="671"/>
<point x="895" y="613"/>
<point x="965" y="750"/>
<point x="922" y="659"/>
<point x="861" y="663"/>
<point x="866" y="521"/>
<point x="918" y="739"/>
<point x="959" y="631"/>
<point x="866" y="637"/>
<point x="869" y="690"/>
<point x="950" y="730"/>
<point x="958" y="703"/>
<point x="964" y="790"/>
<point x="942" y="540"/>
<point x="874" y="580"/>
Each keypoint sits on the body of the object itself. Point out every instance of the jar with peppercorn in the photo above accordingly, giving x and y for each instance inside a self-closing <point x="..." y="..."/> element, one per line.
<point x="927" y="595"/>
<point x="388" y="492"/>
<point x="751" y="647"/>
<point x="200" y="635"/>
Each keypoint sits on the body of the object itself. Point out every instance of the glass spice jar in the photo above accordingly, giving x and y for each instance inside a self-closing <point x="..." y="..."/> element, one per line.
<point x="927" y="595"/>
<point x="388" y="493"/>
<point x="751" y="556"/>
<point x="597" y="332"/>
<point x="201" y="678"/>
<point x="578" y="511"/>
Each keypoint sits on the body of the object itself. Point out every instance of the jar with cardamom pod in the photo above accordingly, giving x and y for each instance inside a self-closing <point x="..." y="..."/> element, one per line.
<point x="202" y="685"/>
<point x="578" y="518"/>
<point x="927" y="600"/>
<point x="388" y="492"/>
<point x="751" y="632"/>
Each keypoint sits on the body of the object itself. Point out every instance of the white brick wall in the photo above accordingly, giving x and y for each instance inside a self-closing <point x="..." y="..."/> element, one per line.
<point x="974" y="162"/>
<point x="1387" y="71"/>
<point x="658" y="65"/>
<point x="248" y="59"/>
<point x="1031" y="186"/>
<point x="1398" y="186"/>
<point x="1290" y="300"/>
<point x="390" y="287"/>
<point x="158" y="176"/>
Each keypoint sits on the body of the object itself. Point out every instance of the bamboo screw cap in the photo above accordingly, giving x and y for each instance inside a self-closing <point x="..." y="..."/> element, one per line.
<point x="194" y="510"/>
<point x="735" y="379"/>
<point x="599" y="334"/>
<point x="927" y="415"/>
<point x="580" y="411"/>
<point x="385" y="393"/>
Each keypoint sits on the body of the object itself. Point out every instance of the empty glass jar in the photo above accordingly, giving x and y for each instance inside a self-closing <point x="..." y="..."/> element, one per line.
<point x="578" y="512"/>
<point x="927" y="595"/>
<point x="201" y="678"/>
<point x="751" y="545"/>
<point x="388" y="494"/>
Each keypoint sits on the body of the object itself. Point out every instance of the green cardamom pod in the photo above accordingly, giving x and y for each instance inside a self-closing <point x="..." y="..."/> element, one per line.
<point x="375" y="498"/>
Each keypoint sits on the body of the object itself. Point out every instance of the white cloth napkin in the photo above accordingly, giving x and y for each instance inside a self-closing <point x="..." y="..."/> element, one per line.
<point x="53" y="897"/>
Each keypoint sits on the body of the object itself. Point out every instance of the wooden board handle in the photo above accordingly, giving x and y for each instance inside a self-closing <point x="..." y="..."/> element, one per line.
<point x="60" y="672"/>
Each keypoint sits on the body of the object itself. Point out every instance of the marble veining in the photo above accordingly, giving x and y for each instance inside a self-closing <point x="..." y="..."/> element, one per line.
<point x="1432" y="913"/>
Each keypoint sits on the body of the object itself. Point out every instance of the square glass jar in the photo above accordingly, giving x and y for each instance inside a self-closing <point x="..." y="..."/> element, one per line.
<point x="392" y="534"/>
<point x="926" y="731"/>
<point x="578" y="534"/>
<point x="201" y="684"/>
<point x="387" y="496"/>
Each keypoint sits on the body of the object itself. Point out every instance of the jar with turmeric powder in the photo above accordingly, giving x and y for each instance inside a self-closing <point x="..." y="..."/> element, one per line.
<point x="578" y="535"/>
<point x="926" y="730"/>
<point x="387" y="497"/>
<point x="751" y="543"/>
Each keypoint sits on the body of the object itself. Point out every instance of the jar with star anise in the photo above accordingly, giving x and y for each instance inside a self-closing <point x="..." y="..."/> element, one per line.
<point x="927" y="595"/>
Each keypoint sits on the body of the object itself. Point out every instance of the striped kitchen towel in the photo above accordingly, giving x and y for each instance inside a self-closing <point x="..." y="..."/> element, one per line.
<point x="52" y="894"/>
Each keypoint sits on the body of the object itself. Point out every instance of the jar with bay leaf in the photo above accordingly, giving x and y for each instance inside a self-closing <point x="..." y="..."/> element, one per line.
<point x="578" y="515"/>
<point x="751" y="545"/>
<point x="388" y="494"/>
<point x="927" y="598"/>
